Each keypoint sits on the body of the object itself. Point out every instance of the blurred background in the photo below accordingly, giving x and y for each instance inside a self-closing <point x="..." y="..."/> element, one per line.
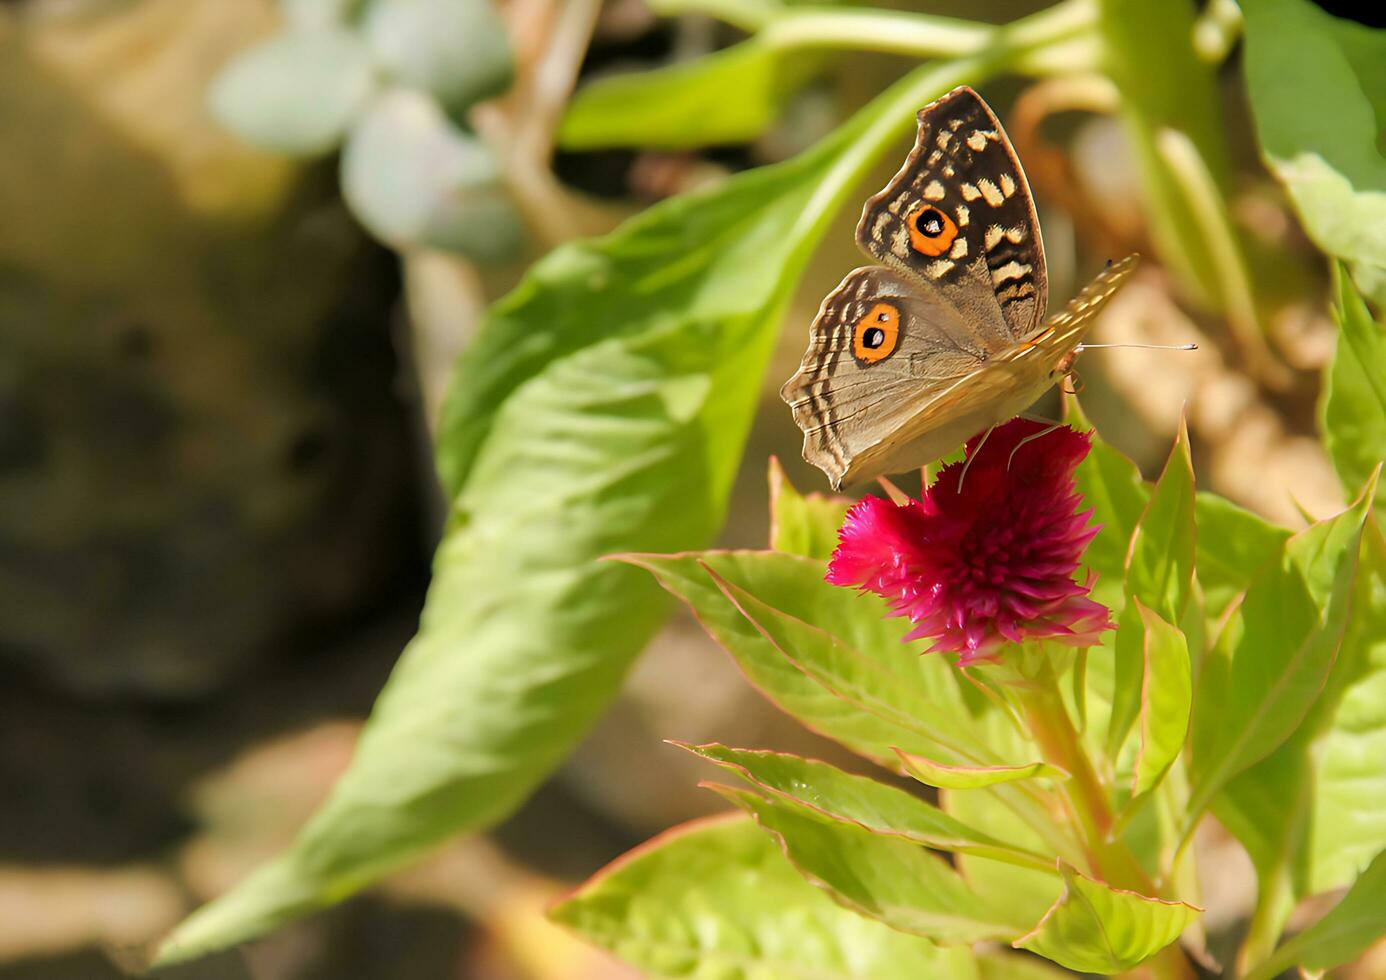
<point x="220" y="359"/>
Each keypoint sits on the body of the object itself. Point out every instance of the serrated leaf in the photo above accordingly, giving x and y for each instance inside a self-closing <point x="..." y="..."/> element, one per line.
<point x="824" y="790"/>
<point x="1159" y="572"/>
<point x="730" y="96"/>
<point x="1344" y="933"/>
<point x="936" y="774"/>
<point x="717" y="900"/>
<point x="296" y="93"/>
<point x="455" y="50"/>
<point x="1320" y="132"/>
<point x="1275" y="654"/>
<point x="414" y="179"/>
<point x="901" y="884"/>
<point x="1353" y="414"/>
<point x="1166" y="699"/>
<point x="803" y="524"/>
<point x="1096" y="929"/>
<point x="602" y="407"/>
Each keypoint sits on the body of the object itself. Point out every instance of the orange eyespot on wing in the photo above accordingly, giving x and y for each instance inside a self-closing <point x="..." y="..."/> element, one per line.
<point x="876" y="335"/>
<point x="931" y="230"/>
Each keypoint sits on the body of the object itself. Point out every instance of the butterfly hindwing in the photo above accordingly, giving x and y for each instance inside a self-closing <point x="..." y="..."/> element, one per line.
<point x="959" y="216"/>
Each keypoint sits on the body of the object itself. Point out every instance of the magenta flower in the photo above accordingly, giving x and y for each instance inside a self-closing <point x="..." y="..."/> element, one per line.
<point x="990" y="564"/>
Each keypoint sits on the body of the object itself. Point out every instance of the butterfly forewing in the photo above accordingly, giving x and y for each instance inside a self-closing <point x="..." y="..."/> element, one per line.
<point x="960" y="218"/>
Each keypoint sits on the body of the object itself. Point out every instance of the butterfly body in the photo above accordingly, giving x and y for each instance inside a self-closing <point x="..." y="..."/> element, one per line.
<point x="947" y="337"/>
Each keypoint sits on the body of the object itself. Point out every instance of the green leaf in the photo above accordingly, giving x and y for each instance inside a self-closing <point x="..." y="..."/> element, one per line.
<point x="801" y="524"/>
<point x="602" y="407"/>
<point x="1159" y="572"/>
<point x="1320" y="131"/>
<point x="1354" y="404"/>
<point x="1233" y="544"/>
<point x="1166" y="699"/>
<point x="716" y="900"/>
<point x="730" y="96"/>
<point x="296" y="93"/>
<point x="1349" y="928"/>
<point x="901" y="884"/>
<point x="415" y="179"/>
<point x="1096" y="929"/>
<point x="827" y="791"/>
<point x="937" y="774"/>
<point x="455" y="50"/>
<point x="1274" y="656"/>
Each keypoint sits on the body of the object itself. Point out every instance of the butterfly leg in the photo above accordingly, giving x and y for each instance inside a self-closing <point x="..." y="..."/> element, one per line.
<point x="973" y="455"/>
<point x="1031" y="438"/>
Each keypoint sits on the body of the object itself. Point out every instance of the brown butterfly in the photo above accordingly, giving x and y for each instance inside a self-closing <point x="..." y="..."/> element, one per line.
<point x="908" y="360"/>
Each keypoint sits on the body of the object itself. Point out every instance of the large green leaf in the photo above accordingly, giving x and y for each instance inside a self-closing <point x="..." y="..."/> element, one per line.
<point x="602" y="408"/>
<point x="1354" y="924"/>
<point x="901" y="884"/>
<point x="859" y="800"/>
<point x="1275" y="653"/>
<point x="1233" y="544"/>
<point x="1320" y="130"/>
<point x="716" y="900"/>
<point x="1159" y="572"/>
<point x="731" y="96"/>
<point x="1096" y="929"/>
<point x="1354" y="404"/>
<point x="296" y="93"/>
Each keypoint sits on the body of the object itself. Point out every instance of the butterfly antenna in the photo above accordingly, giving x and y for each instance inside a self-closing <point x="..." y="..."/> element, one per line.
<point x="1083" y="347"/>
<point x="968" y="464"/>
<point x="1030" y="438"/>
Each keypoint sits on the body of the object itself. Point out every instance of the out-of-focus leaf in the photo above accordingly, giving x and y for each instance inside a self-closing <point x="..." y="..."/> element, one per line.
<point x="904" y="885"/>
<point x="1275" y="654"/>
<point x="456" y="50"/>
<point x="413" y="178"/>
<point x="1159" y="572"/>
<point x="1233" y="544"/>
<point x="1166" y="699"/>
<point x="937" y="774"/>
<point x="827" y="791"/>
<point x="296" y="93"/>
<point x="1354" y="404"/>
<point x="730" y="96"/>
<point x="1320" y="131"/>
<point x="1345" y="933"/>
<point x="601" y="408"/>
<point x="717" y="899"/>
<point x="1096" y="929"/>
<point x="803" y="524"/>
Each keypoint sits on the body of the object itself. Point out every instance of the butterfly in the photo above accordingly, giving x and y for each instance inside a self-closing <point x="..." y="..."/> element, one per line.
<point x="948" y="337"/>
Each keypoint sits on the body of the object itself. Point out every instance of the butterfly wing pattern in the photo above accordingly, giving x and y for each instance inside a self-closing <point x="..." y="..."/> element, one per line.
<point x="947" y="337"/>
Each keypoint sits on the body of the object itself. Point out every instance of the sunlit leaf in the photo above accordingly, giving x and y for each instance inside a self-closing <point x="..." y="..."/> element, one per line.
<point x="1166" y="699"/>
<point x="1354" y="404"/>
<point x="803" y="524"/>
<point x="932" y="773"/>
<point x="730" y="96"/>
<point x="859" y="800"/>
<point x="1320" y="131"/>
<point x="602" y="408"/>
<point x="1349" y="928"/>
<point x="1159" y="572"/>
<point x="1233" y="544"/>
<point x="1274" y="656"/>
<point x="717" y="899"/>
<point x="296" y="93"/>
<point x="1096" y="929"/>
<point x="901" y="884"/>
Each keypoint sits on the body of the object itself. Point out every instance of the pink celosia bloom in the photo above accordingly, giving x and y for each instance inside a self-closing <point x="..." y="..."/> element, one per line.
<point x="990" y="564"/>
